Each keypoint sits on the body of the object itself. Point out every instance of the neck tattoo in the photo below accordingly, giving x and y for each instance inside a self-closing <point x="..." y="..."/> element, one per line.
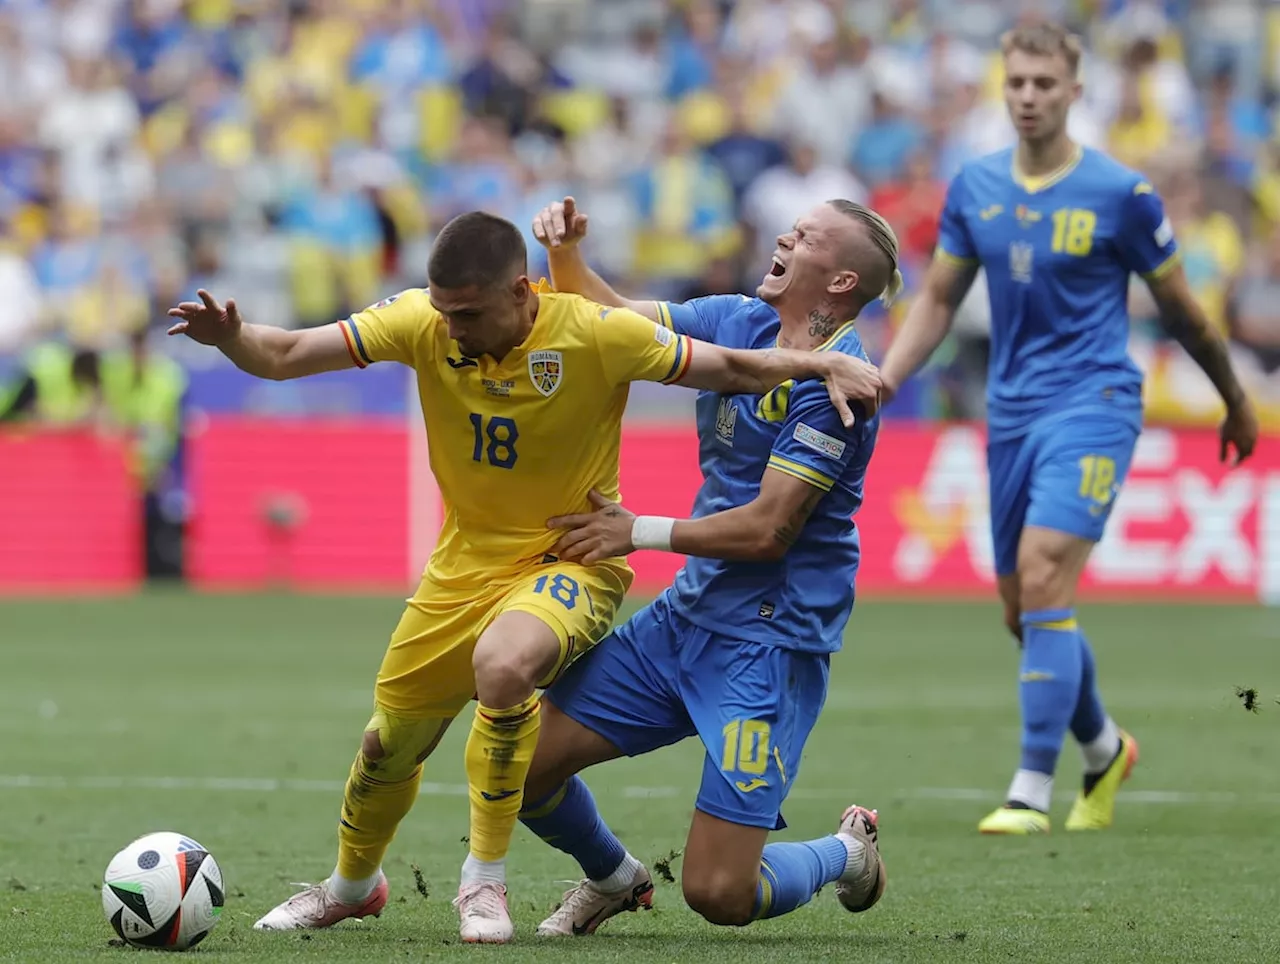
<point x="822" y="322"/>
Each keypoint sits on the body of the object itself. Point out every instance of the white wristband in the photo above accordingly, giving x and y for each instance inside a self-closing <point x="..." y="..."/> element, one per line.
<point x="652" y="532"/>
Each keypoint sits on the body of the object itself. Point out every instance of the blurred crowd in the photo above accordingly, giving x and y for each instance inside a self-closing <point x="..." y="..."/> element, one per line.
<point x="299" y="154"/>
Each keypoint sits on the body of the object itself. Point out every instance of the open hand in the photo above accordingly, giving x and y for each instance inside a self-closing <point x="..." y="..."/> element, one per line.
<point x="206" y="321"/>
<point x="595" y="536"/>
<point x="560" y="225"/>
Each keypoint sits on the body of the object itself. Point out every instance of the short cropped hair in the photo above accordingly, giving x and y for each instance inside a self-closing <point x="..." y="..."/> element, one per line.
<point x="1045" y="40"/>
<point x="883" y="281"/>
<point x="476" y="250"/>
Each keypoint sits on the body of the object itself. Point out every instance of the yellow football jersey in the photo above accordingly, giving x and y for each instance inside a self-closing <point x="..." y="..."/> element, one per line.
<point x="516" y="442"/>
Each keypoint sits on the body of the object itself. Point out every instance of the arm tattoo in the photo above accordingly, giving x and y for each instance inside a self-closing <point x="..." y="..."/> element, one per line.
<point x="789" y="531"/>
<point x="1192" y="331"/>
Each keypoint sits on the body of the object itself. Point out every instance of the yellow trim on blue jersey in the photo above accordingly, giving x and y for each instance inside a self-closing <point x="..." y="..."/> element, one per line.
<point x="664" y="315"/>
<point x="946" y="257"/>
<point x="1034" y="185"/>
<point x="1167" y="265"/>
<point x="1059" y="625"/>
<point x="782" y="771"/>
<point x="774" y="403"/>
<point x="802" y="472"/>
<point x="836" y="335"/>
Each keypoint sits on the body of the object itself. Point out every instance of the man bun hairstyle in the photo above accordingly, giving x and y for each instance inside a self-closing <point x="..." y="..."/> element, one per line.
<point x="885" y="282"/>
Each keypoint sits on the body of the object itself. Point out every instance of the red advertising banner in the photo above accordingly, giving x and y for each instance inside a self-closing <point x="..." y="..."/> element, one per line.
<point x="1184" y="524"/>
<point x="322" y="504"/>
<point x="70" y="515"/>
<point x="299" y="504"/>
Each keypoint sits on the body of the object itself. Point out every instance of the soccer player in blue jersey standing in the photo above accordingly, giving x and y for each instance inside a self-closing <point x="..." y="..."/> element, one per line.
<point x="1058" y="230"/>
<point x="736" y="652"/>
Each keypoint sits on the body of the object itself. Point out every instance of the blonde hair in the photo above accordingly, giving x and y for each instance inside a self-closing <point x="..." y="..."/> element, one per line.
<point x="1045" y="40"/>
<point x="886" y="242"/>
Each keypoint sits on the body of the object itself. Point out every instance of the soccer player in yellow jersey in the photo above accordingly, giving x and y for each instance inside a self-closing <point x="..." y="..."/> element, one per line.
<point x="522" y="390"/>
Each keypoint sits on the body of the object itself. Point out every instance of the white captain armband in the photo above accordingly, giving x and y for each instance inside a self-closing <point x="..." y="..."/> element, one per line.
<point x="652" y="532"/>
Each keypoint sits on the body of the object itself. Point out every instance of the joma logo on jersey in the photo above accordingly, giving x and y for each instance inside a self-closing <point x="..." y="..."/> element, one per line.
<point x="546" y="369"/>
<point x="992" y="212"/>
<point x="1021" y="256"/>
<point x="726" y="420"/>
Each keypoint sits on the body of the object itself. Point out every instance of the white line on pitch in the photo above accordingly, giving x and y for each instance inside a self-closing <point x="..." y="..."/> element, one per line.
<point x="21" y="781"/>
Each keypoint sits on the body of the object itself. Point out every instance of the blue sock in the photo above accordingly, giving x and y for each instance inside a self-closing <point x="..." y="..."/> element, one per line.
<point x="791" y="873"/>
<point x="569" y="821"/>
<point x="1049" y="686"/>
<point x="1089" y="717"/>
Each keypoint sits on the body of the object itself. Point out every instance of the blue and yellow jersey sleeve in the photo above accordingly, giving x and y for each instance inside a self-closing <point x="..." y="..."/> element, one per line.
<point x="634" y="349"/>
<point x="1145" y="237"/>
<point x="814" y="445"/>
<point x="390" y="330"/>
<point x="955" y="242"/>
<point x="699" y="318"/>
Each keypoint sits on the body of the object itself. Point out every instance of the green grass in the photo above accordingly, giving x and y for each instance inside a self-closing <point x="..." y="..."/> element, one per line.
<point x="98" y="697"/>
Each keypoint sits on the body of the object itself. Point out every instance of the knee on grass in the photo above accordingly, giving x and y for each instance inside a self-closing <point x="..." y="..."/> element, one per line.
<point x="720" y="898"/>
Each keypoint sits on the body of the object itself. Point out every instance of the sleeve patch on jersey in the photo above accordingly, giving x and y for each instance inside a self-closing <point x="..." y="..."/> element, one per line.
<point x="1142" y="187"/>
<point x="821" y="442"/>
<point x="1164" y="233"/>
<point x="663" y="336"/>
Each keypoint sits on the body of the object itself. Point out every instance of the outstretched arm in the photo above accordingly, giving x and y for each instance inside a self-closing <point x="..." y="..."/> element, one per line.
<point x="928" y="320"/>
<point x="760" y="531"/>
<point x="1185" y="321"/>
<point x="736" y="371"/>
<point x="261" y="350"/>
<point x="560" y="227"/>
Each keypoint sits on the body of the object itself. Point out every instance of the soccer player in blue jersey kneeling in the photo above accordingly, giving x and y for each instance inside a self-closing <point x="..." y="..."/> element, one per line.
<point x="1058" y="230"/>
<point x="736" y="652"/>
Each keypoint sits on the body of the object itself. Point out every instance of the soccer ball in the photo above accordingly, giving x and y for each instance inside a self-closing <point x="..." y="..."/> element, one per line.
<point x="163" y="890"/>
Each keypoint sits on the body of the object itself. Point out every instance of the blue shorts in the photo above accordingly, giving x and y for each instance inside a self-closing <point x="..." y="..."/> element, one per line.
<point x="659" y="679"/>
<point x="1063" y="474"/>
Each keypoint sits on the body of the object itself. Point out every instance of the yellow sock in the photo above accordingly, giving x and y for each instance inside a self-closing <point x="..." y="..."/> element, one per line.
<point x="380" y="792"/>
<point x="499" y="753"/>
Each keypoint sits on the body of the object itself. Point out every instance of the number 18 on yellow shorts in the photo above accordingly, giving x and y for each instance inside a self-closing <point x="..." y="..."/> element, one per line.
<point x="427" y="671"/>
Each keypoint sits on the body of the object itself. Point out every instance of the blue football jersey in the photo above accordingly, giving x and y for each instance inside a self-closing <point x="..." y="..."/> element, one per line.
<point x="802" y="601"/>
<point x="1057" y="255"/>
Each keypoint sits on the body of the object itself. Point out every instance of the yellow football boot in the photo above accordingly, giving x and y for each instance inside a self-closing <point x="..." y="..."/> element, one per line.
<point x="1096" y="809"/>
<point x="1008" y="820"/>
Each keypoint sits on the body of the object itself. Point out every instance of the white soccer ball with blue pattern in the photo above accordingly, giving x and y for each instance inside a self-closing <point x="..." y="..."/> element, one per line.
<point x="164" y="890"/>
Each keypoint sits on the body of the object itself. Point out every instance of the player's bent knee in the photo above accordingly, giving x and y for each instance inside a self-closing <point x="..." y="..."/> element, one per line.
<point x="503" y="677"/>
<point x="371" y="745"/>
<point x="720" y="898"/>
<point x="511" y="656"/>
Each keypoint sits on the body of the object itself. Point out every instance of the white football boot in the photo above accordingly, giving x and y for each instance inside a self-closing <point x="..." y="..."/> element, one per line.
<point x="585" y="908"/>
<point x="485" y="919"/>
<point x="316" y="907"/>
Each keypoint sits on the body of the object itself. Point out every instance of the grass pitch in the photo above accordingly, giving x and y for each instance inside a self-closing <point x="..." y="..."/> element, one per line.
<point x="234" y="720"/>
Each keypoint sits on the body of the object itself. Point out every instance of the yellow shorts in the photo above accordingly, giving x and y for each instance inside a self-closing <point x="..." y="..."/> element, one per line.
<point x="427" y="670"/>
